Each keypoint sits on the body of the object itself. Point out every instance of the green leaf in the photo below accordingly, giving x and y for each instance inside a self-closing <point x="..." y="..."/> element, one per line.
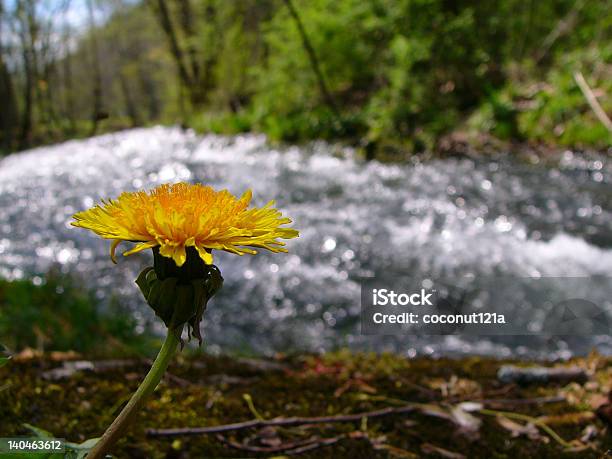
<point x="4" y="355"/>
<point x="80" y="450"/>
<point x="31" y="455"/>
<point x="40" y="433"/>
<point x="73" y="450"/>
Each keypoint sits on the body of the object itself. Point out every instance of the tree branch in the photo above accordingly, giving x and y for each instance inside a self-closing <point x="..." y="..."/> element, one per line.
<point x="592" y="101"/>
<point x="163" y="14"/>
<point x="312" y="56"/>
<point x="294" y="447"/>
<point x="280" y="422"/>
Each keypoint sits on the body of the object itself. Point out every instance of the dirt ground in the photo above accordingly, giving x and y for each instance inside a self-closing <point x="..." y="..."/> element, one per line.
<point x="373" y="406"/>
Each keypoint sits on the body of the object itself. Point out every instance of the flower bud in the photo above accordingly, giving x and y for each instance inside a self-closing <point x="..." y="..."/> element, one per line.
<point x="179" y="295"/>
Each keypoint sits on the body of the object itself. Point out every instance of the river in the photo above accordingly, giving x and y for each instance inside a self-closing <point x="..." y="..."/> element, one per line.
<point x="453" y="217"/>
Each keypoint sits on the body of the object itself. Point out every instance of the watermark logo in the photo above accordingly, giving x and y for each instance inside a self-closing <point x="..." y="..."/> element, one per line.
<point x="577" y="317"/>
<point x="383" y="297"/>
<point x="488" y="306"/>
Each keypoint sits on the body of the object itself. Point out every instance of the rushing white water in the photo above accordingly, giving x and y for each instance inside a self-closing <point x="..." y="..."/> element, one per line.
<point x="447" y="217"/>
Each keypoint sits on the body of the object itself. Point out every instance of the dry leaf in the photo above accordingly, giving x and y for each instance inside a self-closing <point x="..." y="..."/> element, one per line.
<point x="27" y="354"/>
<point x="456" y="387"/>
<point x="61" y="355"/>
<point x="597" y="400"/>
<point x="394" y="451"/>
<point x="466" y="423"/>
<point x="517" y="429"/>
<point x="470" y="406"/>
<point x="428" y="448"/>
<point x="568" y="418"/>
<point x="358" y="384"/>
<point x="589" y="433"/>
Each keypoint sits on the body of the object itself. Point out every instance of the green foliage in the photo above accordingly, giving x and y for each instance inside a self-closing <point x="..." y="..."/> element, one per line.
<point x="72" y="450"/>
<point x="401" y="74"/>
<point x="4" y="355"/>
<point x="552" y="109"/>
<point x="59" y="315"/>
<point x="560" y="113"/>
<point x="405" y="73"/>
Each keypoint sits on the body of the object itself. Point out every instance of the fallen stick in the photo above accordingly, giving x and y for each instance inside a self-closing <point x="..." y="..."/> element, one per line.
<point x="277" y="422"/>
<point x="320" y="444"/>
<point x="295" y="447"/>
<point x="280" y="422"/>
<point x="537" y="422"/>
<point x="70" y="367"/>
<point x="564" y="26"/>
<point x="520" y="401"/>
<point x="592" y="101"/>
<point x="540" y="375"/>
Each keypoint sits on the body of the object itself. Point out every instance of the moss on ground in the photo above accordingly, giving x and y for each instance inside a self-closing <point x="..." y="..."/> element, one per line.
<point x="206" y="391"/>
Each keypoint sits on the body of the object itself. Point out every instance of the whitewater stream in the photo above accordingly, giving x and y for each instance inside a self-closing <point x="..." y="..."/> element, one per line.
<point x="451" y="217"/>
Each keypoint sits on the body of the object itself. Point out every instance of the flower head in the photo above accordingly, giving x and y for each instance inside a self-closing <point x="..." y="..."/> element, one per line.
<point x="175" y="217"/>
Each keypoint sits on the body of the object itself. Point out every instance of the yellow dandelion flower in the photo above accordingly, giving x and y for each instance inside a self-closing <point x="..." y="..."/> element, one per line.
<point x="175" y="217"/>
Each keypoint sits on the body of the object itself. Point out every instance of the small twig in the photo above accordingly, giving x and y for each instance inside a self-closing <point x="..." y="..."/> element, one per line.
<point x="382" y="398"/>
<point x="429" y="393"/>
<point x="592" y="101"/>
<point x="504" y="390"/>
<point x="485" y="401"/>
<point x="280" y="422"/>
<point x="541" y="374"/>
<point x="563" y="27"/>
<point x="520" y="401"/>
<point x="319" y="444"/>
<point x="294" y="447"/>
<point x="312" y="56"/>
<point x="177" y="380"/>
<point x="535" y="421"/>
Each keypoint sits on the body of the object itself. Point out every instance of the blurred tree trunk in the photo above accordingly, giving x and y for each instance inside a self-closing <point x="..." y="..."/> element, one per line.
<point x="9" y="123"/>
<point x="97" y="114"/>
<point x="148" y="88"/>
<point x="312" y="56"/>
<point x="195" y="66"/>
<point x="126" y="54"/>
<point x="206" y="80"/>
<point x="25" y="20"/>
<point x="564" y="27"/>
<point x="45" y="93"/>
<point x="25" y="136"/>
<point x="9" y="113"/>
<point x="162" y="13"/>
<point x="130" y="106"/>
<point x="187" y="24"/>
<point x="68" y="89"/>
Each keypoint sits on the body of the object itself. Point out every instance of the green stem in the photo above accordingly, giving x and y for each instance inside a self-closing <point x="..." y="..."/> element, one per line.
<point x="119" y="426"/>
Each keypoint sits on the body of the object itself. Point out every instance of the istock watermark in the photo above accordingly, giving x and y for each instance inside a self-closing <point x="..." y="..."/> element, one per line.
<point x="487" y="306"/>
<point x="383" y="297"/>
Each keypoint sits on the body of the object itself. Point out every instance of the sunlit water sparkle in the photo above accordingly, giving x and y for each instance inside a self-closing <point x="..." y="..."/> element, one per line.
<point x="449" y="217"/>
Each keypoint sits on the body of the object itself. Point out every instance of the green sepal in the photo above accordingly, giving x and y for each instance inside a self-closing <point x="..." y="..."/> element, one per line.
<point x="200" y="297"/>
<point x="165" y="300"/>
<point x="180" y="301"/>
<point x="184" y="309"/>
<point x="154" y="294"/>
<point x="213" y="281"/>
<point x="142" y="281"/>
